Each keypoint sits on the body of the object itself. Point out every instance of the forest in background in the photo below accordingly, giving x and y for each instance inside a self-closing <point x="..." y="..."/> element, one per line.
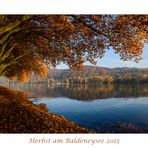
<point x="97" y="74"/>
<point x="91" y="75"/>
<point x="30" y="45"/>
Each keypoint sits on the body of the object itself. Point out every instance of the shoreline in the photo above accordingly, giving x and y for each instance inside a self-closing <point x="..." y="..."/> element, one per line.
<point x="19" y="115"/>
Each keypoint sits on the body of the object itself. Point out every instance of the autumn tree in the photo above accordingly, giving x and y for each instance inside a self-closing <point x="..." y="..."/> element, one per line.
<point x="40" y="41"/>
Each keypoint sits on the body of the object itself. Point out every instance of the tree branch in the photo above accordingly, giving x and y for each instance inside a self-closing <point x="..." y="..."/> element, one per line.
<point x="88" y="26"/>
<point x="14" y="24"/>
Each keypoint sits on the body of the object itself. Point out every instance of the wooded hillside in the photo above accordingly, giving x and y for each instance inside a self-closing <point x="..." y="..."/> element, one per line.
<point x="99" y="74"/>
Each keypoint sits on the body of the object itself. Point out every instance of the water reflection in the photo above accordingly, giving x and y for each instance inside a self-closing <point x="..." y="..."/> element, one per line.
<point x="84" y="92"/>
<point x="103" y="108"/>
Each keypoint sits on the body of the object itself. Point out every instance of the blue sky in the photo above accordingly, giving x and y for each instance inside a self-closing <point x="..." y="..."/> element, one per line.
<point x="113" y="60"/>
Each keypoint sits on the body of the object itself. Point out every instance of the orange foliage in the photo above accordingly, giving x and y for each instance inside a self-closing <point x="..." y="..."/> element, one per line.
<point x="40" y="69"/>
<point x="71" y="39"/>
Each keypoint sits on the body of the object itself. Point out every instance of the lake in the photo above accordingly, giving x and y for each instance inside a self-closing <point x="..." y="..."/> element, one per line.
<point x="102" y="108"/>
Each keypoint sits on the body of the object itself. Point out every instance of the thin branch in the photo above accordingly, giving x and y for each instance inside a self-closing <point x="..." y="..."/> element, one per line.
<point x="88" y="26"/>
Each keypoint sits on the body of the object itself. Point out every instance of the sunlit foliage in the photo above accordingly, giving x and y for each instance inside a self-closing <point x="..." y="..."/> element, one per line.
<point x="71" y="39"/>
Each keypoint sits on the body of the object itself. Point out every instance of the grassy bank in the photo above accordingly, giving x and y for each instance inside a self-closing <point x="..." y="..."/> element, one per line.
<point x="19" y="115"/>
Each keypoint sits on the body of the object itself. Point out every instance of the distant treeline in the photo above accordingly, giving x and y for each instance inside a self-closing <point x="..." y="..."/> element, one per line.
<point x="95" y="74"/>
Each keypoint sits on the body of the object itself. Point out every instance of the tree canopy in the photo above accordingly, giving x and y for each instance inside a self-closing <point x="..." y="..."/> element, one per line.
<point x="33" y="43"/>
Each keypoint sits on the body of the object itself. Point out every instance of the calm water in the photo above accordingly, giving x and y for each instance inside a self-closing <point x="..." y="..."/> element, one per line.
<point x="105" y="109"/>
